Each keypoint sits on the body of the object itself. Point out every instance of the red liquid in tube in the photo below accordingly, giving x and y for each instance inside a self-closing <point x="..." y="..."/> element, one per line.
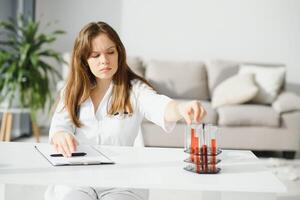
<point x="204" y="157"/>
<point x="197" y="157"/>
<point x="213" y="152"/>
<point x="192" y="148"/>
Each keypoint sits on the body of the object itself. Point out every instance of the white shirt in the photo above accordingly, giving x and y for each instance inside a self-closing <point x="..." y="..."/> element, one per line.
<point x="120" y="129"/>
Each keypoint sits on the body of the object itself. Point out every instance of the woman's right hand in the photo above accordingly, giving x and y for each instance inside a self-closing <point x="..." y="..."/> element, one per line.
<point x="64" y="143"/>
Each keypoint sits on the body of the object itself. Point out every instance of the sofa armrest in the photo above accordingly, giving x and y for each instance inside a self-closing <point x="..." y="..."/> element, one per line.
<point x="291" y="120"/>
<point x="286" y="102"/>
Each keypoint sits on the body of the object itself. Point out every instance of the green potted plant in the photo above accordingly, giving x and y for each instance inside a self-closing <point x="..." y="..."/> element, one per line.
<point x="24" y="73"/>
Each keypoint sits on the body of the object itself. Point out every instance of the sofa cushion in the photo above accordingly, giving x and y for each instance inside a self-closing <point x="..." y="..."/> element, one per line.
<point x="268" y="79"/>
<point x="220" y="70"/>
<point x="248" y="115"/>
<point x="237" y="89"/>
<point x="136" y="65"/>
<point x="286" y="102"/>
<point x="178" y="79"/>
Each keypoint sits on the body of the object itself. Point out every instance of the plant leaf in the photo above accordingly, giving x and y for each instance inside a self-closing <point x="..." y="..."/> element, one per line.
<point x="22" y="62"/>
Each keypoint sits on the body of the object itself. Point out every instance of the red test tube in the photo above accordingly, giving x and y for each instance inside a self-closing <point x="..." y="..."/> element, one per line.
<point x="214" y="152"/>
<point x="213" y="131"/>
<point x="197" y="157"/>
<point x="192" y="148"/>
<point x="204" y="149"/>
<point x="198" y="140"/>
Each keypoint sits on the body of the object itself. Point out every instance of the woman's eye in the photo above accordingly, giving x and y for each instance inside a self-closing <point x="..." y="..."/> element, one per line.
<point x="95" y="55"/>
<point x="111" y="52"/>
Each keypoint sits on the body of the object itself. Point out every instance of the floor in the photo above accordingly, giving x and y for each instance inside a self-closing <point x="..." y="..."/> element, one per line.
<point x="288" y="171"/>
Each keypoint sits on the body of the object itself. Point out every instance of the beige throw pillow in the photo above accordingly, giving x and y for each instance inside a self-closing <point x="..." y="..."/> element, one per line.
<point x="234" y="90"/>
<point x="220" y="70"/>
<point x="268" y="79"/>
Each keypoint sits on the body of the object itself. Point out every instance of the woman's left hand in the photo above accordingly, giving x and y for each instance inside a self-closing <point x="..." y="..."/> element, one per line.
<point x="191" y="111"/>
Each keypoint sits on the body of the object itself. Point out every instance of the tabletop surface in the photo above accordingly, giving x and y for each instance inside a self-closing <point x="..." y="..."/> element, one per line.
<point x="138" y="167"/>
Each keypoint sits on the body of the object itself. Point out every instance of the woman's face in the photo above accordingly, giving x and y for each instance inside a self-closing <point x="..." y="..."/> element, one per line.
<point x="103" y="61"/>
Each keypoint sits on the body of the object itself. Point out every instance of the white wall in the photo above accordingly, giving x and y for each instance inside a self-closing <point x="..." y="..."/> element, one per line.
<point x="250" y="30"/>
<point x="72" y="15"/>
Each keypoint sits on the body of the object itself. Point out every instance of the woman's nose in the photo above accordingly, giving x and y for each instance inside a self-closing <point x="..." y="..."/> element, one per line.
<point x="103" y="59"/>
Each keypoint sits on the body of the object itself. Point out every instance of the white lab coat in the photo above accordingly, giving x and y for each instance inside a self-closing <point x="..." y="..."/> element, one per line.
<point x="120" y="129"/>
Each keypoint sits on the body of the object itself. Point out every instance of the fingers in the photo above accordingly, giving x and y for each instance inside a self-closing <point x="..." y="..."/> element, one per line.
<point x="64" y="143"/>
<point x="201" y="112"/>
<point x="187" y="116"/>
<point x="197" y="111"/>
<point x="62" y="150"/>
<point x="71" y="144"/>
<point x="66" y="149"/>
<point x="56" y="148"/>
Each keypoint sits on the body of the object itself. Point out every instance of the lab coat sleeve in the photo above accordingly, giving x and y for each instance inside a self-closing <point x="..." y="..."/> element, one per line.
<point x="152" y="105"/>
<point x="61" y="121"/>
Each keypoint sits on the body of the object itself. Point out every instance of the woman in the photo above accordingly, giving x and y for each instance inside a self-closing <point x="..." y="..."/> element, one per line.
<point x="104" y="102"/>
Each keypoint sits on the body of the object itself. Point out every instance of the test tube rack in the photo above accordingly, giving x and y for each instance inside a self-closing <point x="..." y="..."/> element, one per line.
<point x="201" y="145"/>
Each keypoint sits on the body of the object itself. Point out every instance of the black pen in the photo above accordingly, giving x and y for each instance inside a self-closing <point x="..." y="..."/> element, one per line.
<point x="73" y="154"/>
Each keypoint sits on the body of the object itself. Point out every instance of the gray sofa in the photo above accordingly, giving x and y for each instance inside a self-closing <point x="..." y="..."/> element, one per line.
<point x="242" y="126"/>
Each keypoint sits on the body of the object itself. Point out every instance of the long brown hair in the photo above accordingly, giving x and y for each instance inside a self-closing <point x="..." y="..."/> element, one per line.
<point x="81" y="79"/>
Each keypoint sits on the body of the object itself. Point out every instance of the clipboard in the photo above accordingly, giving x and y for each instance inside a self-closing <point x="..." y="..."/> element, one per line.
<point x="89" y="156"/>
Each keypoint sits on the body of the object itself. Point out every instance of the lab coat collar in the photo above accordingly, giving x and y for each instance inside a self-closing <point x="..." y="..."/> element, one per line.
<point x="103" y="106"/>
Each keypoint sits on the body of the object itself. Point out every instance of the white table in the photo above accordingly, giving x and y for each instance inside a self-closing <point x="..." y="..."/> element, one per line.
<point x="152" y="168"/>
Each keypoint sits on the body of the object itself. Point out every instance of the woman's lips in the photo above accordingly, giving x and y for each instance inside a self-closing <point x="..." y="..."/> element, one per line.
<point x="106" y="69"/>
